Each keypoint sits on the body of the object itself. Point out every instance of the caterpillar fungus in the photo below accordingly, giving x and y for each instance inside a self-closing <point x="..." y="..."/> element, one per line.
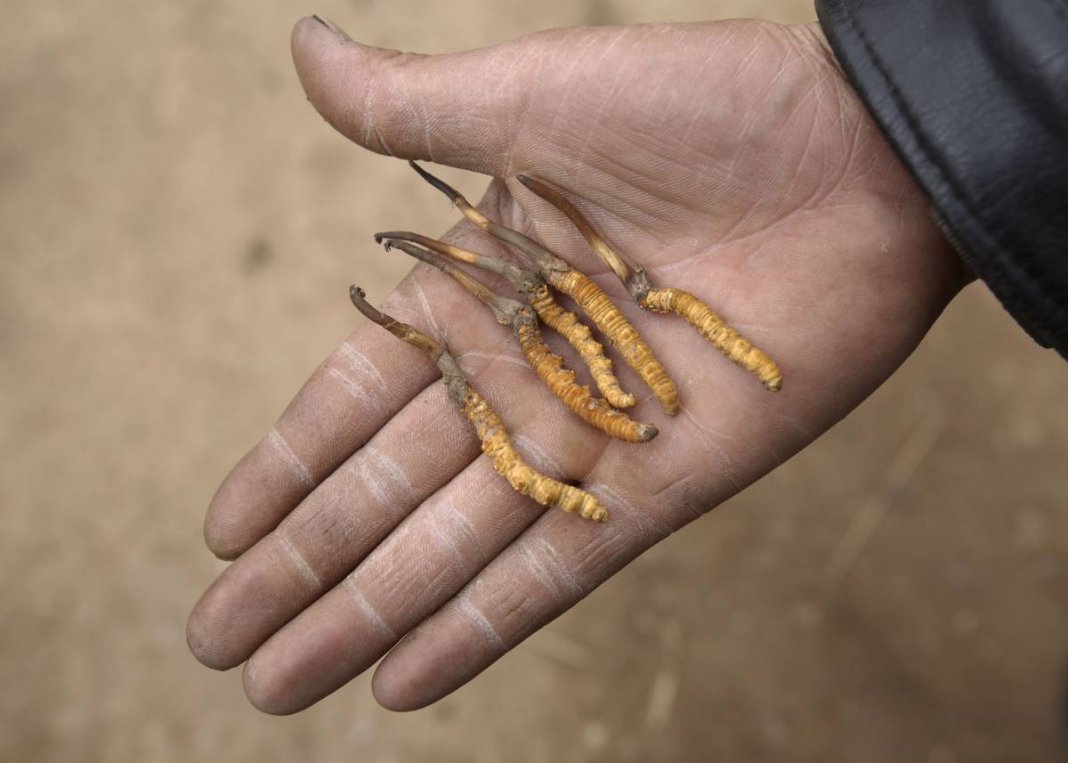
<point x="547" y="365"/>
<point x="491" y="432"/>
<point x="587" y="295"/>
<point x="562" y="321"/>
<point x="698" y="314"/>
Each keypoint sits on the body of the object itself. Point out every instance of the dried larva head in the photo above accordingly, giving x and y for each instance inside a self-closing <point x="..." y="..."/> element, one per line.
<point x="646" y="432"/>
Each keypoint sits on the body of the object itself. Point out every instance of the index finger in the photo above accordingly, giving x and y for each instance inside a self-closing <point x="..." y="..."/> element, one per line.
<point x="348" y="398"/>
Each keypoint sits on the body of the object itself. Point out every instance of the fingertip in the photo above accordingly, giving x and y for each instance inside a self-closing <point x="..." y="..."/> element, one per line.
<point x="316" y="28"/>
<point x="304" y="26"/>
<point x="394" y="690"/>
<point x="318" y="54"/>
<point x="233" y="617"/>
<point x="400" y="683"/>
<point x="428" y="664"/>
<point x="366" y="93"/>
<point x="194" y="637"/>
<point x="334" y="28"/>
<point x="222" y="532"/>
<point x="302" y="38"/>
<point x="255" y="496"/>
<point x="263" y="692"/>
<point x="219" y="537"/>
<point x="202" y="642"/>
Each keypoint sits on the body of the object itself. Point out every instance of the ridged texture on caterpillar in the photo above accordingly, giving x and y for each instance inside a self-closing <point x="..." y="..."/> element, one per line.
<point x="566" y="324"/>
<point x="624" y="337"/>
<point x="728" y="341"/>
<point x="523" y="478"/>
<point x="561" y="382"/>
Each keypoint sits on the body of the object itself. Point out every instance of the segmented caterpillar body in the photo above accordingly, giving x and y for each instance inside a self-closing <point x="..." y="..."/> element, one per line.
<point x="492" y="435"/>
<point x="561" y="382"/>
<point x="523" y="478"/>
<point x="697" y="313"/>
<point x="547" y="365"/>
<point x="712" y="327"/>
<point x="563" y="322"/>
<point x="623" y="336"/>
<point x="566" y="324"/>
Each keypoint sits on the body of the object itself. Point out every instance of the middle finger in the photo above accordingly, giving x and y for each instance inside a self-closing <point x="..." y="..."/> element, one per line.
<point x="423" y="562"/>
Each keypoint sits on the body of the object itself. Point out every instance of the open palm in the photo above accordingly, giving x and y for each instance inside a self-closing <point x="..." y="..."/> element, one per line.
<point x="730" y="159"/>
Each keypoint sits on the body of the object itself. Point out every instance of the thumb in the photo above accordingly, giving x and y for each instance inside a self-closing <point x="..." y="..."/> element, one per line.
<point x="449" y="109"/>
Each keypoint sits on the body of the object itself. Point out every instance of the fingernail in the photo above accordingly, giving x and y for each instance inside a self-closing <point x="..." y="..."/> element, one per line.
<point x="332" y="27"/>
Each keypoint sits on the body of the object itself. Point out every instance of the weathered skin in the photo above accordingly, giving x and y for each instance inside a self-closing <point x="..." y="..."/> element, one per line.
<point x="739" y="158"/>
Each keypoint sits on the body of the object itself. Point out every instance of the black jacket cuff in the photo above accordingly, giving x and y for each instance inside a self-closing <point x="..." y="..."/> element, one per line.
<point x="973" y="94"/>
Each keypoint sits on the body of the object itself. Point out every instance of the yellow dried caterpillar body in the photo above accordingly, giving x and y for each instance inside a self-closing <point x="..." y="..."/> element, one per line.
<point x="523" y="478"/>
<point x="561" y="382"/>
<point x="737" y="348"/>
<point x="566" y="324"/>
<point x="594" y="302"/>
<point x="697" y="313"/>
<point x="548" y="366"/>
<point x="624" y="337"/>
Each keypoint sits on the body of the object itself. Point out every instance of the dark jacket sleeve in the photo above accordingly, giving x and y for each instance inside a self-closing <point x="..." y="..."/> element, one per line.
<point x="973" y="94"/>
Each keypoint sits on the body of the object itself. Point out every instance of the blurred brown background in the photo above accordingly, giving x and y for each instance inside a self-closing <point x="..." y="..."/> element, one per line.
<point x="178" y="231"/>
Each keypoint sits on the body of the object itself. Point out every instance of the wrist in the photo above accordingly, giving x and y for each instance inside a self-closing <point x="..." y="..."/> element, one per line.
<point x="813" y="36"/>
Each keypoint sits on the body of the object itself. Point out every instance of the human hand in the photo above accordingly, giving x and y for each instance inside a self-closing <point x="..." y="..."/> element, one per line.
<point x="731" y="159"/>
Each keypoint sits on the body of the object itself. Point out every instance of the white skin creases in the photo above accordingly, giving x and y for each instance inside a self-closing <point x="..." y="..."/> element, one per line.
<point x="731" y="159"/>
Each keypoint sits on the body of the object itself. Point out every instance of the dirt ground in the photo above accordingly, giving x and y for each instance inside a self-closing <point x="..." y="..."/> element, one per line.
<point x="178" y="230"/>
